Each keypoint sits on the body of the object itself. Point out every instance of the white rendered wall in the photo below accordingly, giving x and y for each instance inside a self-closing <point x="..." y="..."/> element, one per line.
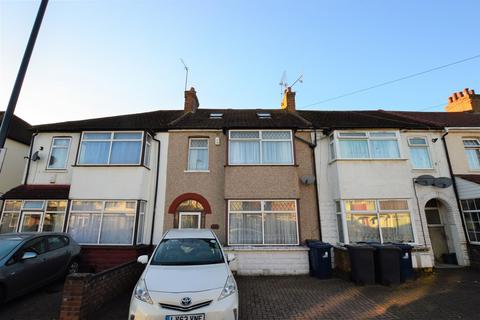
<point x="11" y="173"/>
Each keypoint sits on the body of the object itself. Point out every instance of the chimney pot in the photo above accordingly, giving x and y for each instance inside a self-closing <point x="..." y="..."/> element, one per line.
<point x="288" y="102"/>
<point x="464" y="101"/>
<point x="465" y="92"/>
<point x="472" y="92"/>
<point x="450" y="99"/>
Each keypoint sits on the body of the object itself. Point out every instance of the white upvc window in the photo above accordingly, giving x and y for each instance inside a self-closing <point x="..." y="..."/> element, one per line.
<point x="262" y="222"/>
<point x="59" y="150"/>
<point x="197" y="154"/>
<point x="471" y="213"/>
<point x="111" y="148"/>
<point x="260" y="147"/>
<point x="141" y="221"/>
<point x="33" y="216"/>
<point x="472" y="150"/>
<point x="148" y="150"/>
<point x="386" y="220"/>
<point x="365" y="145"/>
<point x="419" y="153"/>
<point x="107" y="222"/>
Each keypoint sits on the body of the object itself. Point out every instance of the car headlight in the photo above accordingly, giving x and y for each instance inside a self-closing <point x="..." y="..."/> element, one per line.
<point x="229" y="288"/>
<point x="141" y="292"/>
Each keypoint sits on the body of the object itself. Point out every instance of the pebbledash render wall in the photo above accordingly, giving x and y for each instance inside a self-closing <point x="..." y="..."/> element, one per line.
<point x="223" y="182"/>
<point x="391" y="179"/>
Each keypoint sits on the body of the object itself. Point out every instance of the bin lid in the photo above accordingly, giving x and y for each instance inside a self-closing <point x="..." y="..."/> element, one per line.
<point x="386" y="246"/>
<point x="359" y="246"/>
<point x="401" y="245"/>
<point x="319" y="245"/>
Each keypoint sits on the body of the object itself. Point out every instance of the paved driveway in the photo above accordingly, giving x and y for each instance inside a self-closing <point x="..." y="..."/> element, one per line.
<point x="446" y="294"/>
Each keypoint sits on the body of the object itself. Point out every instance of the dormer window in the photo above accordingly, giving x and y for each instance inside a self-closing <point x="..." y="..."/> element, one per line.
<point x="216" y="115"/>
<point x="264" y="115"/>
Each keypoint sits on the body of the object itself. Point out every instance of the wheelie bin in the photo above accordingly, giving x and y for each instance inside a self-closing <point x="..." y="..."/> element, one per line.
<point x="320" y="259"/>
<point x="387" y="264"/>
<point x="362" y="263"/>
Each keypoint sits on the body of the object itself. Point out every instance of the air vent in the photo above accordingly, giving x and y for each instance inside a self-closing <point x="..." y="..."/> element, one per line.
<point x="216" y="115"/>
<point x="264" y="115"/>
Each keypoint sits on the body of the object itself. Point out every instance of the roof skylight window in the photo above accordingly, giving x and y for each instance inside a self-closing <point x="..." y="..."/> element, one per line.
<point x="216" y="115"/>
<point x="264" y="115"/>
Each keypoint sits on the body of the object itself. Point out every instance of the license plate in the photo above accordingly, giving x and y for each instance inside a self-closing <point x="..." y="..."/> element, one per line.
<point x="199" y="316"/>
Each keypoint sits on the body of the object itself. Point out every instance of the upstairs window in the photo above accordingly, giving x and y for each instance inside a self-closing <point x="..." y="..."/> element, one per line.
<point x="59" y="153"/>
<point x="197" y="154"/>
<point x="265" y="147"/>
<point x="111" y="148"/>
<point x="365" y="145"/>
<point x="419" y="154"/>
<point x="472" y="149"/>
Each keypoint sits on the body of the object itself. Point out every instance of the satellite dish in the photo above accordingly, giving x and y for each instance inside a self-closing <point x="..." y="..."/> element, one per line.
<point x="307" y="179"/>
<point x="35" y="156"/>
<point x="425" y="180"/>
<point x="442" y="182"/>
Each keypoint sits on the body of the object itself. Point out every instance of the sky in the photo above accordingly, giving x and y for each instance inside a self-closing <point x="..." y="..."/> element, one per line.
<point x="97" y="58"/>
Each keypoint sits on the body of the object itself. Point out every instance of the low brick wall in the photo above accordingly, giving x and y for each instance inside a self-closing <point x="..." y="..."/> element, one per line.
<point x="99" y="258"/>
<point x="84" y="293"/>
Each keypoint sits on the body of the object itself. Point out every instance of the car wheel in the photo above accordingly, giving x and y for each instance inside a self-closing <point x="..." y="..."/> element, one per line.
<point x="73" y="267"/>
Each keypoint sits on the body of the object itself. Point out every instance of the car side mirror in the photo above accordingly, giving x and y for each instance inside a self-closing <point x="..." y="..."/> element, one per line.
<point x="143" y="259"/>
<point x="29" y="255"/>
<point x="230" y="257"/>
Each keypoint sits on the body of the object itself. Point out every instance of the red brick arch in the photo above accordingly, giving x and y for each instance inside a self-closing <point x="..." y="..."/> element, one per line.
<point x="189" y="196"/>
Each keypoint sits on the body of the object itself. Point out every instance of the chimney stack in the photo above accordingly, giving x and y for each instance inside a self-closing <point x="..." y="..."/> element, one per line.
<point x="191" y="101"/>
<point x="288" y="102"/>
<point x="463" y="101"/>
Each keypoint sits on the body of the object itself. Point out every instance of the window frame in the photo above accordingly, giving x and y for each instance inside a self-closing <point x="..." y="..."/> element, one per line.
<point x="367" y="136"/>
<point x="102" y="213"/>
<point x="260" y="140"/>
<point x="262" y="211"/>
<point x="464" y="220"/>
<point x="52" y="146"/>
<point x="111" y="140"/>
<point x="378" y="212"/>
<point x="190" y="139"/>
<point x="426" y="146"/>
<point x="189" y="213"/>
<point x="476" y="147"/>
<point x="43" y="212"/>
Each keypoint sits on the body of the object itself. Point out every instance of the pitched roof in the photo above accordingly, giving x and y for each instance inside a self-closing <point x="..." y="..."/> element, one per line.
<point x="38" y="191"/>
<point x="470" y="177"/>
<point x="362" y="119"/>
<point x="19" y="130"/>
<point x="155" y="120"/>
<point x="240" y="118"/>
<point x="443" y="119"/>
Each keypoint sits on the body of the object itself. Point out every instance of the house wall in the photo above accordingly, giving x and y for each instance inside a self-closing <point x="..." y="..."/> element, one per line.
<point x="11" y="172"/>
<point x="390" y="179"/>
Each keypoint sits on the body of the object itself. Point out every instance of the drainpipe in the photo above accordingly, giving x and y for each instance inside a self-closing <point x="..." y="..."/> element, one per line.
<point x="32" y="140"/>
<point x="454" y="183"/>
<point x="312" y="147"/>
<point x="156" y="190"/>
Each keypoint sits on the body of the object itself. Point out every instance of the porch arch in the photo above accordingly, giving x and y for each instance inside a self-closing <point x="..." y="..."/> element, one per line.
<point x="189" y="196"/>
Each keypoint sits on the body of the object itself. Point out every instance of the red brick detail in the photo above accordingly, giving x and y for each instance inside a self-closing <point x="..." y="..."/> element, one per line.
<point x="85" y="293"/>
<point x="189" y="196"/>
<point x="99" y="258"/>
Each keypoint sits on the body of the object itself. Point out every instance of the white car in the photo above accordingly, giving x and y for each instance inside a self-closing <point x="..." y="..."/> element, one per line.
<point x="187" y="278"/>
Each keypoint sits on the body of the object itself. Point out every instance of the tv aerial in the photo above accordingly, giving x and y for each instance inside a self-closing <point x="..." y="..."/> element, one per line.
<point x="284" y="84"/>
<point x="186" y="72"/>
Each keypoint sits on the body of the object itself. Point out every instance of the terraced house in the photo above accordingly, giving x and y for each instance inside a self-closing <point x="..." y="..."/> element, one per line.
<point x="265" y="180"/>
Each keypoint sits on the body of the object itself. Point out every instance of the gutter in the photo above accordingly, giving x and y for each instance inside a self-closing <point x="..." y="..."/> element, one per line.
<point x="312" y="148"/>
<point x="454" y="183"/>
<point x="32" y="140"/>
<point x="156" y="190"/>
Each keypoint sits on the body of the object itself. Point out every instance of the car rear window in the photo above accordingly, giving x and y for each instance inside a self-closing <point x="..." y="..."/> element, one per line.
<point x="181" y="252"/>
<point x="7" y="245"/>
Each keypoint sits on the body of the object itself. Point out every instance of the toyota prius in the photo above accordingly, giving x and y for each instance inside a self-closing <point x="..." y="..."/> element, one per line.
<point x="187" y="278"/>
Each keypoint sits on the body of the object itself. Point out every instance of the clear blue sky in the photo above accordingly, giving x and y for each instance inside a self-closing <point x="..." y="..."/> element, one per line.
<point x="99" y="58"/>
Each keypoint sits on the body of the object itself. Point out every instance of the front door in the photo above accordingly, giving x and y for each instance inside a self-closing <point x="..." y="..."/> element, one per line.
<point x="189" y="220"/>
<point x="436" y="229"/>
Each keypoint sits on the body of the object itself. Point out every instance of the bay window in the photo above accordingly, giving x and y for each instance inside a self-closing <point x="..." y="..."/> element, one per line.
<point x="260" y="147"/>
<point x="472" y="150"/>
<point x="33" y="216"/>
<point x="364" y="145"/>
<point x="471" y="213"/>
<point x="111" y="148"/>
<point x="377" y="221"/>
<point x="419" y="154"/>
<point x="102" y="222"/>
<point x="262" y="222"/>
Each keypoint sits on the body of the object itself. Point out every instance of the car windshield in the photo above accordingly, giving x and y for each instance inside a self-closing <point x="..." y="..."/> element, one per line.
<point x="180" y="252"/>
<point x="7" y="245"/>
